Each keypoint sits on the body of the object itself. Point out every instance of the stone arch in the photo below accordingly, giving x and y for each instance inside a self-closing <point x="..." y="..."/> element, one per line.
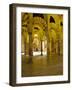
<point x="40" y="26"/>
<point x="39" y="21"/>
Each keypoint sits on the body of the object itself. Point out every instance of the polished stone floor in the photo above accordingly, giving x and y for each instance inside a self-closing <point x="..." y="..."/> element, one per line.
<point x="42" y="65"/>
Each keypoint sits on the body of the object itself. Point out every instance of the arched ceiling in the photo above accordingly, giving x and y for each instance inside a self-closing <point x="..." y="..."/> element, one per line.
<point x="39" y="25"/>
<point x="39" y="21"/>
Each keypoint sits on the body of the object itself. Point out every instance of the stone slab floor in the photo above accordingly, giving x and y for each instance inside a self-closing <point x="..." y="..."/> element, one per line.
<point x="42" y="65"/>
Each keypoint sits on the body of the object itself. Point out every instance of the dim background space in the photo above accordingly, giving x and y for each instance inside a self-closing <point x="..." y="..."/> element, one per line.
<point x="4" y="45"/>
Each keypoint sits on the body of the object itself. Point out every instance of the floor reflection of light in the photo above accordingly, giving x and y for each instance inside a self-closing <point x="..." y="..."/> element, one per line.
<point x="44" y="53"/>
<point x="39" y="53"/>
<point x="22" y="53"/>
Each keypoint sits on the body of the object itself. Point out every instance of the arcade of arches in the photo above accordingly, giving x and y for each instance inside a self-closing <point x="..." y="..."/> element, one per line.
<point x="42" y="37"/>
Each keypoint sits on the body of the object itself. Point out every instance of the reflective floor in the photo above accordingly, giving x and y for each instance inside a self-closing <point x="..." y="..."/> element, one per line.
<point x="42" y="65"/>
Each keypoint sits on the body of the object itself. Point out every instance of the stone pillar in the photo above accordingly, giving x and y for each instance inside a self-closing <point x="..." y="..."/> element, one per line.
<point x="30" y="44"/>
<point x="30" y="34"/>
<point x="58" y="47"/>
<point x="46" y="19"/>
<point x="25" y="47"/>
<point x="41" y="49"/>
<point x="58" y="42"/>
<point x="50" y="47"/>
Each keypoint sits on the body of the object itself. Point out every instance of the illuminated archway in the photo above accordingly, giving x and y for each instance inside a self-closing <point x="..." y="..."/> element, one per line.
<point x="39" y="35"/>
